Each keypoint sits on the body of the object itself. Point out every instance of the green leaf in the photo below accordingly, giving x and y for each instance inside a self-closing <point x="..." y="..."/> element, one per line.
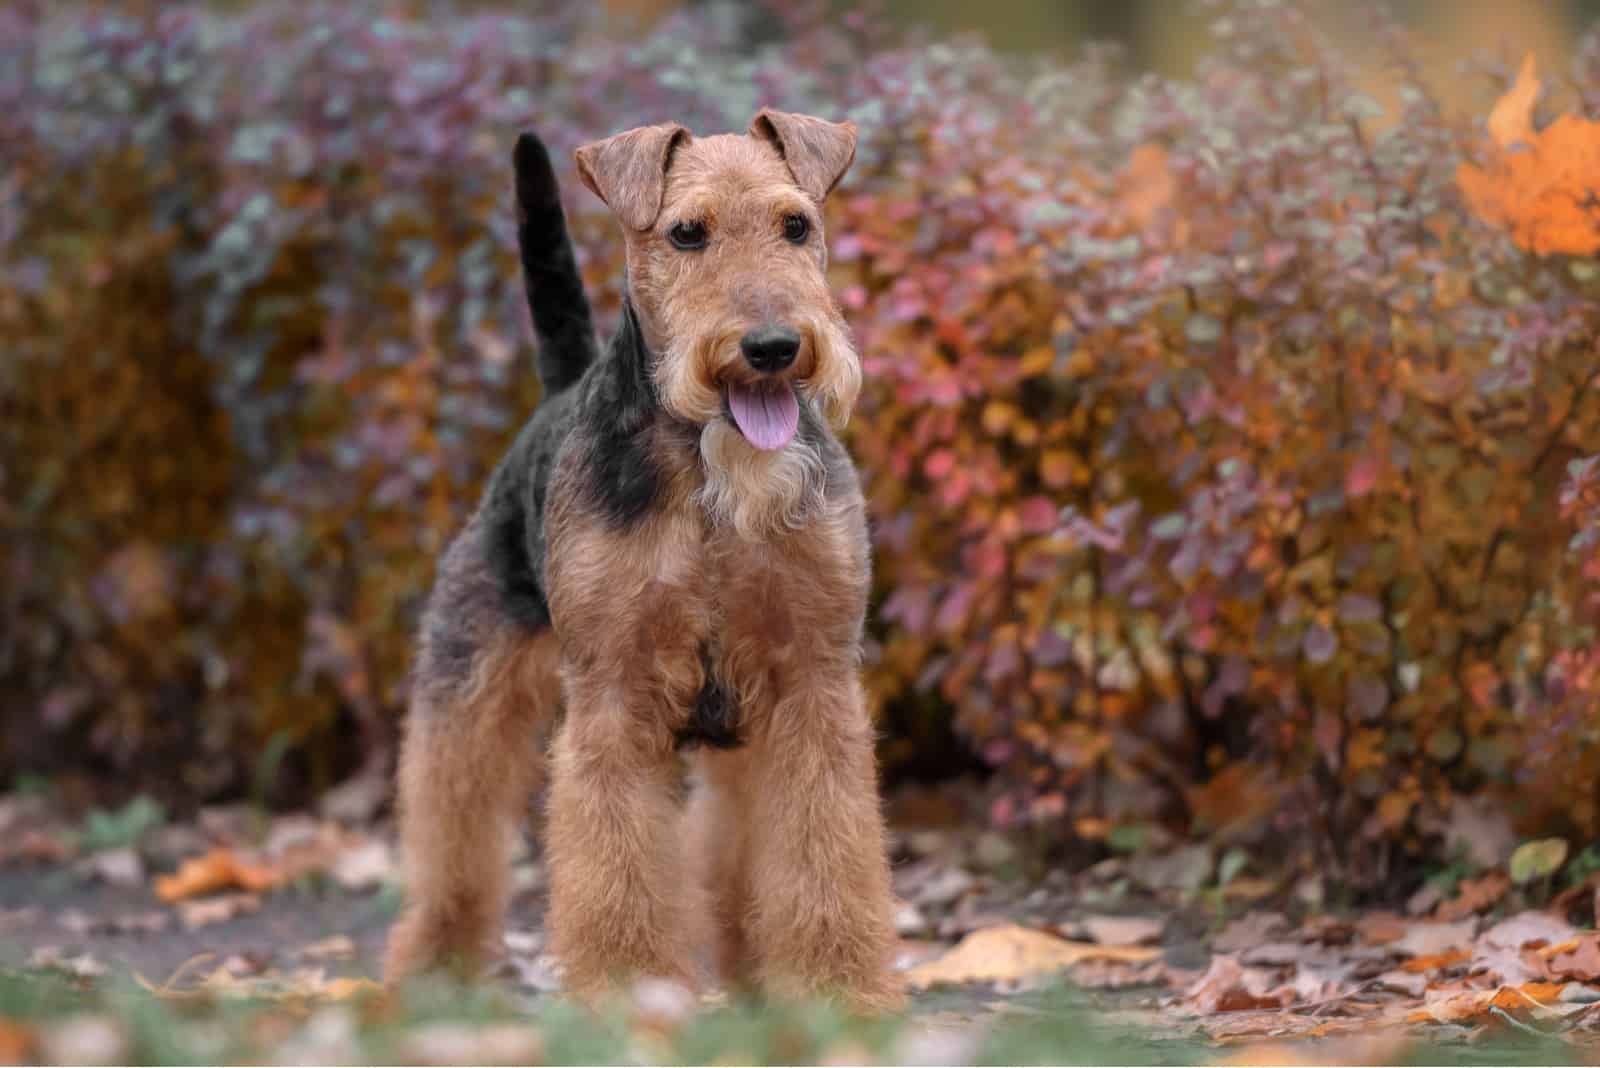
<point x="1537" y="859"/>
<point x="1233" y="862"/>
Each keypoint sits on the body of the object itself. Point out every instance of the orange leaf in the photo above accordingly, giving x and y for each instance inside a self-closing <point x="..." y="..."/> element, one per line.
<point x="16" y="1042"/>
<point x="219" y="869"/>
<point x="1435" y="961"/>
<point x="1511" y="120"/>
<point x="1542" y="186"/>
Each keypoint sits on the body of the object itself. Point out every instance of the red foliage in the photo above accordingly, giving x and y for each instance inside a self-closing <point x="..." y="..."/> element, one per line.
<point x="1210" y="437"/>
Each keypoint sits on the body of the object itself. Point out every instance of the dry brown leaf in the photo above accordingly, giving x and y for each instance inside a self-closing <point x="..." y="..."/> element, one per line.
<point x="1526" y="1001"/>
<point x="1249" y="888"/>
<point x="335" y="947"/>
<point x="1251" y="929"/>
<point x="1009" y="952"/>
<point x="1228" y="986"/>
<point x="1576" y="958"/>
<point x="1404" y="981"/>
<point x="1381" y="928"/>
<point x="1429" y="939"/>
<point x="219" y="909"/>
<point x="1123" y="930"/>
<point x="1544" y="186"/>
<point x="1528" y="929"/>
<point x="1119" y="974"/>
<point x="1474" y="896"/>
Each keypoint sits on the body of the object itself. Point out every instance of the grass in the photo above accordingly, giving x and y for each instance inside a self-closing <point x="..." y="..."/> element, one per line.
<point x="457" y="1024"/>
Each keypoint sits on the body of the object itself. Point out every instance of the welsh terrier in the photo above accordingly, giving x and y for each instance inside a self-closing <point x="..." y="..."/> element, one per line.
<point x="669" y="565"/>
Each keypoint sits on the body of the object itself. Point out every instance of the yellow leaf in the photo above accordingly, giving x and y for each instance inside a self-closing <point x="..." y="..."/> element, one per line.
<point x="1012" y="952"/>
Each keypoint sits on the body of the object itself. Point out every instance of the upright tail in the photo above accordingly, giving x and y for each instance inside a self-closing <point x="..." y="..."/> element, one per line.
<point x="561" y="317"/>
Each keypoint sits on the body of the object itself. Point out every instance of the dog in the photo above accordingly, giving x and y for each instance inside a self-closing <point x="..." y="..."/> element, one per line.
<point x="667" y="574"/>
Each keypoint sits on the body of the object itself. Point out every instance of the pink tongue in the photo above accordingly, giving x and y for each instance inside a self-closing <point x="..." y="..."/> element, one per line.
<point x="767" y="414"/>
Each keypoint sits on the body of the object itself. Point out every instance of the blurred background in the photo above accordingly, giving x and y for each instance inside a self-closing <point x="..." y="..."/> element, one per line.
<point x="1227" y="445"/>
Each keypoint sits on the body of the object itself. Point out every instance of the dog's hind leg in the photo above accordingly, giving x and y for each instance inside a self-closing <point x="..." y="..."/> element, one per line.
<point x="468" y="765"/>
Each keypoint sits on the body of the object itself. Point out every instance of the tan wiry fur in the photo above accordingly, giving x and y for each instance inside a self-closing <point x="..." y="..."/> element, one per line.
<point x="695" y="309"/>
<point x="749" y="569"/>
<point x="466" y="773"/>
<point x="756" y="492"/>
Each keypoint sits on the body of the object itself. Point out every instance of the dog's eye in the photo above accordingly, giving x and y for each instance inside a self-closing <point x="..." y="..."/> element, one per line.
<point x="687" y="235"/>
<point x="796" y="228"/>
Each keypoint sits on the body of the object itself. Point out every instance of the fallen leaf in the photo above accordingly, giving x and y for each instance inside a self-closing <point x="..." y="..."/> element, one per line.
<point x="1503" y="951"/>
<point x="1187" y="868"/>
<point x="1525" y="1001"/>
<point x="211" y="910"/>
<point x="369" y="864"/>
<point x="1250" y="888"/>
<point x="1526" y="929"/>
<point x="1536" y="860"/>
<point x="1118" y="974"/>
<point x="1474" y="896"/>
<point x="116" y="867"/>
<point x="1381" y="928"/>
<point x="1429" y="939"/>
<point x="335" y="947"/>
<point x="943" y="887"/>
<point x="909" y="920"/>
<point x="1438" y="961"/>
<point x="1227" y="986"/>
<point x="1577" y="958"/>
<point x="1123" y="930"/>
<point x="1579" y="898"/>
<point x="1010" y="952"/>
<point x="219" y="869"/>
<point x="1251" y="929"/>
<point x="1405" y="981"/>
<point x="1424" y="900"/>
<point x="82" y="966"/>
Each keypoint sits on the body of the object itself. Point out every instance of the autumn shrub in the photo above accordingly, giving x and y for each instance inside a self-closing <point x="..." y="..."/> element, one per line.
<point x="1222" y="487"/>
<point x="1215" y="438"/>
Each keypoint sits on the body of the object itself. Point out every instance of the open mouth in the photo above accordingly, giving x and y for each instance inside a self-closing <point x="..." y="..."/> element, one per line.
<point x="767" y="412"/>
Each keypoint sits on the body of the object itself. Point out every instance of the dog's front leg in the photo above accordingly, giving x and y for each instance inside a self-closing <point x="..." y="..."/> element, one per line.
<point x="822" y="918"/>
<point x="621" y="905"/>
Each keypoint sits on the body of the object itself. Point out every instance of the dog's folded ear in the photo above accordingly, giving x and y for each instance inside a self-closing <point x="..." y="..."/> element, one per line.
<point x="629" y="171"/>
<point x="817" y="151"/>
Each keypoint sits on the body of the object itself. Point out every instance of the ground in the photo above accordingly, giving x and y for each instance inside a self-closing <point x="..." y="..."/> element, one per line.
<point x="241" y="935"/>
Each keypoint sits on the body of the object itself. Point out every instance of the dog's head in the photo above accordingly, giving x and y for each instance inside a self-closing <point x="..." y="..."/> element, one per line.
<point x="726" y="267"/>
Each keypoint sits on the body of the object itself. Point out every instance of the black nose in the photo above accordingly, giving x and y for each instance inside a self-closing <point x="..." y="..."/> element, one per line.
<point x="770" y="348"/>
